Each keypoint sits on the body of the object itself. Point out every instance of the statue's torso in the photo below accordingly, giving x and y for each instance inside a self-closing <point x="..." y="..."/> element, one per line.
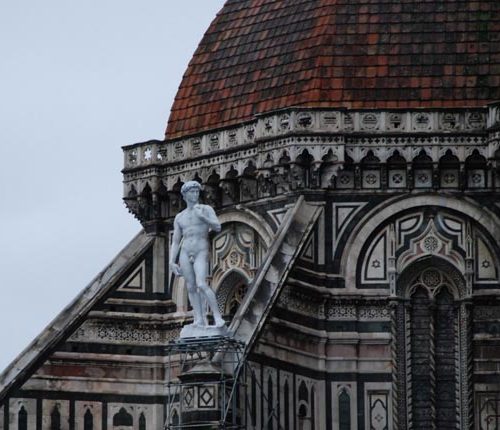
<point x="194" y="231"/>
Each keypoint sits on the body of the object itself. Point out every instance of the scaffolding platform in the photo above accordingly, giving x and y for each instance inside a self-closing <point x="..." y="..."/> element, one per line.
<point x="205" y="383"/>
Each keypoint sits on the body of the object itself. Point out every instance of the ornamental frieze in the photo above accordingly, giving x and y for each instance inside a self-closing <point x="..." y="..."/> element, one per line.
<point x="299" y="149"/>
<point x="120" y="333"/>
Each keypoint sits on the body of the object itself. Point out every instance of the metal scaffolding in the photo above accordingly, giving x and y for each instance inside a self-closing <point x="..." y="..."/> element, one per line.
<point x="205" y="378"/>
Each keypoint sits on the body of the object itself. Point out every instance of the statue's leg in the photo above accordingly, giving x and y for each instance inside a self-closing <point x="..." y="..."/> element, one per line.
<point x="194" y="295"/>
<point x="200" y="271"/>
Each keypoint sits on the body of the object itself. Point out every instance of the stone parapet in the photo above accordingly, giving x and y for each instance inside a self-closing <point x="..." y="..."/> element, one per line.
<point x="300" y="149"/>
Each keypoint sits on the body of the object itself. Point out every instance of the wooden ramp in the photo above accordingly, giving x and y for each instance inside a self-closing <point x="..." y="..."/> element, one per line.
<point x="268" y="283"/>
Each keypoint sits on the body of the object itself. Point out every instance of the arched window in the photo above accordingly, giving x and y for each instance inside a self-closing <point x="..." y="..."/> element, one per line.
<point x="396" y="170"/>
<point x="344" y="410"/>
<point x="270" y="403"/>
<point x="287" y="405"/>
<point x="430" y="375"/>
<point x="328" y="170"/>
<point x="55" y="419"/>
<point x="88" y="420"/>
<point x="475" y="166"/>
<point x="248" y="183"/>
<point x="142" y="422"/>
<point x="345" y="177"/>
<point x="446" y="381"/>
<point x="123" y="418"/>
<point x="422" y="170"/>
<point x="303" y="411"/>
<point x="232" y="289"/>
<point x="253" y="413"/>
<point x="22" y="419"/>
<point x="175" y="200"/>
<point x="175" y="418"/>
<point x="299" y="175"/>
<point x="449" y="170"/>
<point x="234" y="301"/>
<point x="162" y="194"/>
<point x="313" y="412"/>
<point x="370" y="165"/>
<point x="303" y="392"/>
<point x="145" y="200"/>
<point x="421" y="366"/>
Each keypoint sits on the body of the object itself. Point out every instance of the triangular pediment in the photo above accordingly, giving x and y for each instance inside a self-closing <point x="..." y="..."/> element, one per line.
<point x="68" y="321"/>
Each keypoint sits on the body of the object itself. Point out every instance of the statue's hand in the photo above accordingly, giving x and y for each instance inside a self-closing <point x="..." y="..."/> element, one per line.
<point x="175" y="268"/>
<point x="198" y="210"/>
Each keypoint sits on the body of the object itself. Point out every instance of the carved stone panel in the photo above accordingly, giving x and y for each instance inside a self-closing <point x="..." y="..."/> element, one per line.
<point x="487" y="410"/>
<point x="371" y="179"/>
<point x="397" y="178"/>
<point x="345" y="179"/>
<point x="423" y="178"/>
<point x="449" y="178"/>
<point x="476" y="178"/>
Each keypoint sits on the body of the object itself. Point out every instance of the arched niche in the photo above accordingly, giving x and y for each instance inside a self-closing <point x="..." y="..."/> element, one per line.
<point x="230" y="292"/>
<point x="123" y="420"/>
<point x="365" y="231"/>
<point x="427" y="231"/>
<point x="432" y="273"/>
<point x="88" y="420"/>
<point x="431" y="346"/>
<point x="22" y="419"/>
<point x="251" y="219"/>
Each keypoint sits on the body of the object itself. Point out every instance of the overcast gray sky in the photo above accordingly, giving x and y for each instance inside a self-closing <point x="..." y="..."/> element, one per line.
<point x="78" y="79"/>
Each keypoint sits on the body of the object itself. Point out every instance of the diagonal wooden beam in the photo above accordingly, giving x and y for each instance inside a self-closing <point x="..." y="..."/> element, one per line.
<point x="288" y="243"/>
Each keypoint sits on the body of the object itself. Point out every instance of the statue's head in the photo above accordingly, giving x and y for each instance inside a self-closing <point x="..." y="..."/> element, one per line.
<point x="191" y="190"/>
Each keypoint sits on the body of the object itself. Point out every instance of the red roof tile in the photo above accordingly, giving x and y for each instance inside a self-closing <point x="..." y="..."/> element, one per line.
<point x="260" y="55"/>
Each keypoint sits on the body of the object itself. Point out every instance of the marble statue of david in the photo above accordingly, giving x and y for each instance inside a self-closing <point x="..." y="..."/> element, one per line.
<point x="190" y="238"/>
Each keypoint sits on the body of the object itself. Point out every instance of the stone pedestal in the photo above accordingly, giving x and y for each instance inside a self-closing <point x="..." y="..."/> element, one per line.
<point x="202" y="396"/>
<point x="206" y="393"/>
<point x="195" y="331"/>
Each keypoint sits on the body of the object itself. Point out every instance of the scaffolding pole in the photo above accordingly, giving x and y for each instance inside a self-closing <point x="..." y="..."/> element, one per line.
<point x="205" y="384"/>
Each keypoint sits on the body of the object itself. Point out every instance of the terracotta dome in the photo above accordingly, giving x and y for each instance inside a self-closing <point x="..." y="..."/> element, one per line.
<point x="262" y="55"/>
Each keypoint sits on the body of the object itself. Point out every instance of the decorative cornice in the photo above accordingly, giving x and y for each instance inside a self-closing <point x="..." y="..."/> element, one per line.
<point x="302" y="122"/>
<point x="299" y="149"/>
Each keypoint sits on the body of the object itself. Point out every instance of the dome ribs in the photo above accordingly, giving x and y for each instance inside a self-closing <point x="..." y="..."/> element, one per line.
<point x="260" y="55"/>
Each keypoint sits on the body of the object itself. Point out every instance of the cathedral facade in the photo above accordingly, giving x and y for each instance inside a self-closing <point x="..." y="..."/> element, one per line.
<point x="351" y="151"/>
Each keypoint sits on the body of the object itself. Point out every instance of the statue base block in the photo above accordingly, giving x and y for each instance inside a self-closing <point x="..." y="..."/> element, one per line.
<point x="192" y="330"/>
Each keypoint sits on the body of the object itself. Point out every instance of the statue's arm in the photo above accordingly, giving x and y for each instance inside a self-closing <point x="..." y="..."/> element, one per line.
<point x="174" y="249"/>
<point x="211" y="219"/>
